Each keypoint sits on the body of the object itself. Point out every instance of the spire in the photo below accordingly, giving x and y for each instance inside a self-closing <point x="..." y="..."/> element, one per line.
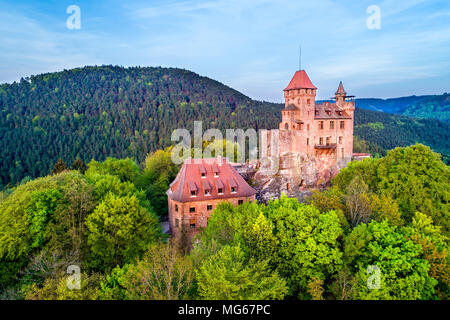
<point x="340" y="90"/>
<point x="300" y="80"/>
<point x="300" y="58"/>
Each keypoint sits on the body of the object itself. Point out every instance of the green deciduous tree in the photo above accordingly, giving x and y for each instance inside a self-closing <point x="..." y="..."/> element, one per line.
<point x="308" y="242"/>
<point x="119" y="229"/>
<point x="125" y="169"/>
<point x="228" y="275"/>
<point x="403" y="272"/>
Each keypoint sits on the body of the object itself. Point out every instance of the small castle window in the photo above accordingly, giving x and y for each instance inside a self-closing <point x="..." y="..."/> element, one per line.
<point x="288" y="187"/>
<point x="307" y="141"/>
<point x="331" y="124"/>
<point x="340" y="140"/>
<point x="233" y="189"/>
<point x="320" y="141"/>
<point x="192" y="225"/>
<point x="220" y="191"/>
<point x="192" y="209"/>
<point x="286" y="126"/>
<point x="342" y="124"/>
<point x="193" y="193"/>
<point x="328" y="141"/>
<point x="320" y="125"/>
<point x="240" y="202"/>
<point x="209" y="207"/>
<point x="176" y="208"/>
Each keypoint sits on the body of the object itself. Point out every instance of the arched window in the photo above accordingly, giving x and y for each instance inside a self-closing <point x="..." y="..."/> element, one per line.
<point x="286" y="126"/>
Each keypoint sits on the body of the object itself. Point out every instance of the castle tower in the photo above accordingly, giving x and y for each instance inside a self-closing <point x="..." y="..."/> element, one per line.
<point x="300" y="99"/>
<point x="340" y="95"/>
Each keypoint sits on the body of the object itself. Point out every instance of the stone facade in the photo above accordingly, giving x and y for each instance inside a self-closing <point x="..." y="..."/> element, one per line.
<point x="201" y="184"/>
<point x="314" y="141"/>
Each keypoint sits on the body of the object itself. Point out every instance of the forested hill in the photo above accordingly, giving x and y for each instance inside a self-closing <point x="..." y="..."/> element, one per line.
<point x="95" y="112"/>
<point x="426" y="107"/>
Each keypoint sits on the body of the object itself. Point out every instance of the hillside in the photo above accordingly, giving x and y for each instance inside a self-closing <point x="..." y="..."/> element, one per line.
<point x="424" y="107"/>
<point x="95" y="112"/>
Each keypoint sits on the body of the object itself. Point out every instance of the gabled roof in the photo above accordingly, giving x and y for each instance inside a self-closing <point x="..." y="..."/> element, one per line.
<point x="300" y="80"/>
<point x="189" y="179"/>
<point x="334" y="112"/>
<point x="341" y="90"/>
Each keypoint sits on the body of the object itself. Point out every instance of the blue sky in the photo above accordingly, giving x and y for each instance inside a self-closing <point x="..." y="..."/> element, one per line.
<point x="250" y="45"/>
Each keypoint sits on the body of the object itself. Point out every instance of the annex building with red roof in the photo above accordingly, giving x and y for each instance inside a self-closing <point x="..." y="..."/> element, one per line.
<point x="201" y="184"/>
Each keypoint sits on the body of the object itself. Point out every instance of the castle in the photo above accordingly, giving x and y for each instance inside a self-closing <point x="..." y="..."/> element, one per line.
<point x="314" y="141"/>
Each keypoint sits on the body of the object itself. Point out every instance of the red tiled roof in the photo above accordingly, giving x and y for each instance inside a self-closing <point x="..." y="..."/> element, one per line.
<point x="300" y="80"/>
<point x="334" y="112"/>
<point x="341" y="90"/>
<point x="190" y="176"/>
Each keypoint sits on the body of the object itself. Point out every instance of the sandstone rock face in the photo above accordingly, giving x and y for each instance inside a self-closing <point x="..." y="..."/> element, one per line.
<point x="296" y="175"/>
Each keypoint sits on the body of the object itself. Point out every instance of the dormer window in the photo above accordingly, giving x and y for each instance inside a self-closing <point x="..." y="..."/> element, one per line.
<point x="233" y="185"/>
<point x="216" y="171"/>
<point x="192" y="189"/>
<point x="219" y="186"/>
<point x="206" y="187"/>
<point x="203" y="171"/>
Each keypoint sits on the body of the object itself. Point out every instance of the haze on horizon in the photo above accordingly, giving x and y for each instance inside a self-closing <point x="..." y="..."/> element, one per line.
<point x="249" y="45"/>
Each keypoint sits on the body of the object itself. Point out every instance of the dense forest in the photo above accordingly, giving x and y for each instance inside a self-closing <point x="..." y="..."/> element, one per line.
<point x="379" y="232"/>
<point x="426" y="107"/>
<point x="98" y="112"/>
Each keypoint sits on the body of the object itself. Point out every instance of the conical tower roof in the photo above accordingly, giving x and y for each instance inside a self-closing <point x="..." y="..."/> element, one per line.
<point x="300" y="80"/>
<point x="340" y="90"/>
